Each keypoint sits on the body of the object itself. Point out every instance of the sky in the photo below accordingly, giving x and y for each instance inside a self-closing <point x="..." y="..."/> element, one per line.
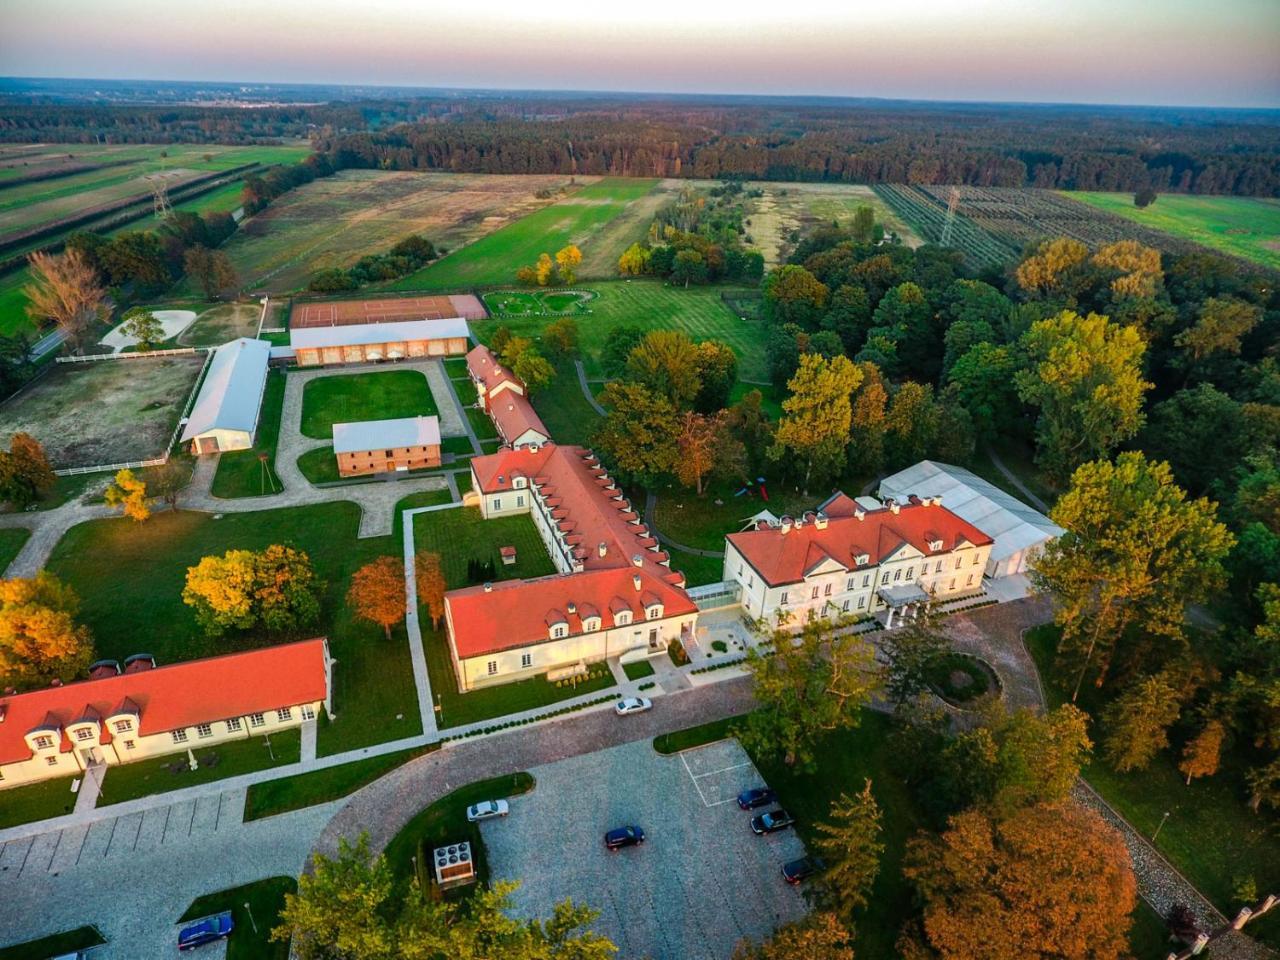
<point x="1161" y="52"/>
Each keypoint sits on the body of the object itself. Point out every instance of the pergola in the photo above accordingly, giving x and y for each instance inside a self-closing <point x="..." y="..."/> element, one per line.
<point x="899" y="597"/>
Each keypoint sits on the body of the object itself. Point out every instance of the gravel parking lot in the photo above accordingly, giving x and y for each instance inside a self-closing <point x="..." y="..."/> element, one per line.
<point x="700" y="882"/>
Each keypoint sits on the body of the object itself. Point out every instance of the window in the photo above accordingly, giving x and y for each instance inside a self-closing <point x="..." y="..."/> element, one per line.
<point x="43" y="742"/>
<point x="51" y="761"/>
<point x="751" y="581"/>
<point x="866" y="579"/>
<point x="849" y="585"/>
<point x="179" y="736"/>
<point x="739" y="569"/>
<point x="526" y="659"/>
<point x="654" y="613"/>
<point x="862" y="602"/>
<point x="969" y="582"/>
<point x="204" y="730"/>
<point x="388" y="454"/>
<point x="812" y="614"/>
<point x="308" y="712"/>
<point x="827" y="592"/>
<point x="623" y="617"/>
<point x="128" y="744"/>
<point x="814" y="594"/>
<point x="557" y="633"/>
<point x="846" y="606"/>
<point x="897" y="575"/>
<point x="257" y="720"/>
<point x="938" y="567"/>
<point x="885" y="579"/>
<point x="520" y="500"/>
<point x="975" y="560"/>
<point x="84" y="733"/>
<point x="957" y="563"/>
<point x="784" y="597"/>
<point x="284" y="713"/>
<point x="953" y="584"/>
<point x="911" y="572"/>
<point x="493" y="667"/>
<point x="233" y="725"/>
<point x="124" y="726"/>
<point x="497" y="503"/>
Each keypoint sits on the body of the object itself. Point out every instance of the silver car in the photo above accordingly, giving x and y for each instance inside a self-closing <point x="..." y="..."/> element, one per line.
<point x="629" y="705"/>
<point x="487" y="809"/>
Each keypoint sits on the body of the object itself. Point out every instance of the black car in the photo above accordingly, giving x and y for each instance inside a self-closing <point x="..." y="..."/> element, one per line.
<point x="623" y="837"/>
<point x="771" y="822"/>
<point x="797" y="871"/>
<point x="756" y="797"/>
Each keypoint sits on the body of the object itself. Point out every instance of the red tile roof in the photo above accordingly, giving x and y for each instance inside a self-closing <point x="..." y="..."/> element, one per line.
<point x="485" y="368"/>
<point x="173" y="696"/>
<point x="513" y="415"/>
<point x="516" y="613"/>
<point x="783" y="558"/>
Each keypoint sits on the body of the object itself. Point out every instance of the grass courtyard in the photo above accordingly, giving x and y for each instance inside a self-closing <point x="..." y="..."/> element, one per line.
<point x="384" y="395"/>
<point x="130" y="577"/>
<point x="241" y="472"/>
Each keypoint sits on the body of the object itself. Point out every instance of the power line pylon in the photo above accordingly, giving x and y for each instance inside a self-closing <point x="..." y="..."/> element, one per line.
<point x="953" y="201"/>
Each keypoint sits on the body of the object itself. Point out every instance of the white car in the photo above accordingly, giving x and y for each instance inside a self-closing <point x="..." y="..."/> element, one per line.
<point x="486" y="809"/>
<point x="629" y="705"/>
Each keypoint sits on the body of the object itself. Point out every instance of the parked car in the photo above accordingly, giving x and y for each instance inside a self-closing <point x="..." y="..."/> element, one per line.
<point x="623" y="837"/>
<point x="756" y="797"/>
<point x="208" y="930"/>
<point x="771" y="822"/>
<point x="629" y="705"/>
<point x="486" y="809"/>
<point x="797" y="871"/>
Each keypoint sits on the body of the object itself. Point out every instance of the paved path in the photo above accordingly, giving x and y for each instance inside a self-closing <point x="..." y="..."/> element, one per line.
<point x="1013" y="479"/>
<point x="650" y="509"/>
<point x="586" y="389"/>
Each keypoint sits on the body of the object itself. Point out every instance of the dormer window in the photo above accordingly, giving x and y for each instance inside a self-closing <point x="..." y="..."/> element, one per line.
<point x="935" y="544"/>
<point x="520" y="483"/>
<point x="862" y="559"/>
<point x="84" y="733"/>
<point x="654" y="612"/>
<point x="591" y="624"/>
<point x="623" y="617"/>
<point x="559" y="631"/>
<point x="124" y="726"/>
<point x="43" y="742"/>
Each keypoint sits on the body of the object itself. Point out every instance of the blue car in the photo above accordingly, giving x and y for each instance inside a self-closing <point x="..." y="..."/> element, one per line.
<point x="209" y="930"/>
<point x="623" y="837"/>
<point x="756" y="797"/>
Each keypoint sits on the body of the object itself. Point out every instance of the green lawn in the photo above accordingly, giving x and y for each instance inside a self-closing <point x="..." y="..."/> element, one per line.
<point x="171" y="772"/>
<point x="455" y="368"/>
<point x="255" y="909"/>
<point x="240" y="473"/>
<point x="638" y="670"/>
<point x="481" y="424"/>
<point x="495" y="258"/>
<point x="11" y="543"/>
<point x="319" y="465"/>
<point x="130" y="576"/>
<point x="36" y="801"/>
<point x="652" y="305"/>
<point x="271" y="797"/>
<point x="1247" y="227"/>
<point x="698" y="570"/>
<point x="445" y="821"/>
<point x="385" y="395"/>
<point x="528" y="303"/>
<point x="568" y="417"/>
<point x="466" y="391"/>
<point x="1210" y="834"/>
<point x="53" y="946"/>
<point x="462" y="534"/>
<point x="702" y="522"/>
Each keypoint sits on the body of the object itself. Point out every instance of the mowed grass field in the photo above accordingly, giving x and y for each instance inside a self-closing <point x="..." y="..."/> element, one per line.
<point x="334" y="221"/>
<point x="582" y="218"/>
<point x="788" y="207"/>
<point x="652" y="305"/>
<point x="1247" y="227"/>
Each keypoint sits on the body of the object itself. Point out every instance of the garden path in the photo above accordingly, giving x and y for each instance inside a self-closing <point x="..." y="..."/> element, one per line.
<point x="586" y="389"/>
<point x="1013" y="479"/>
<point x="650" y="508"/>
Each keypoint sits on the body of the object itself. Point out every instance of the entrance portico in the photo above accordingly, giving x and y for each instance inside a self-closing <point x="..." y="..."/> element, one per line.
<point x="901" y="597"/>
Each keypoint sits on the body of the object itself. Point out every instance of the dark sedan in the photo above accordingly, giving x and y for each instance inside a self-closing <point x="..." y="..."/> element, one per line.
<point x="209" y="930"/>
<point x="623" y="837"/>
<point x="756" y="797"/>
<point x="771" y="822"/>
<point x="798" y="871"/>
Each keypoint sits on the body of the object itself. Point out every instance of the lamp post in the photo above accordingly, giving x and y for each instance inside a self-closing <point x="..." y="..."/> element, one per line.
<point x="1161" y="827"/>
<point x="252" y="921"/>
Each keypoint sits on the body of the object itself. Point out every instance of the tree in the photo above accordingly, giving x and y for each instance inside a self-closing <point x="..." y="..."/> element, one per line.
<point x="567" y="260"/>
<point x="275" y="588"/>
<point x="25" y="473"/>
<point x="816" y="417"/>
<point x="513" y="348"/>
<point x="717" y="372"/>
<point x="911" y="423"/>
<point x="65" y="289"/>
<point x="634" y="261"/>
<point x="561" y="338"/>
<point x="1135" y="552"/>
<point x="905" y="318"/>
<point x="144" y="327"/>
<point x="429" y="579"/>
<point x="167" y="481"/>
<point x="1053" y="880"/>
<point x="339" y="909"/>
<point x="1202" y="753"/>
<point x="212" y="269"/>
<point x="1134" y="269"/>
<point x="39" y="638"/>
<point x="910" y="650"/>
<point x="864" y="222"/>
<point x="867" y="421"/>
<point x="850" y="846"/>
<point x="688" y="267"/>
<point x="819" y="936"/>
<point x="637" y="435"/>
<point x="1222" y="324"/>
<point x="377" y="593"/>
<point x="849" y="316"/>
<point x="1144" y="197"/>
<point x="1085" y="376"/>
<point x="1056" y="269"/>
<point x="1137" y="723"/>
<point x="500" y="339"/>
<point x="534" y="370"/>
<point x="794" y="295"/>
<point x="984" y="381"/>
<point x="618" y="344"/>
<point x="1264" y="786"/>
<point x="748" y="423"/>
<point x="138" y="259"/>
<point x="544" y="270"/>
<point x="812" y="685"/>
<point x="129" y="493"/>
<point x="696" y="444"/>
<point x="667" y="362"/>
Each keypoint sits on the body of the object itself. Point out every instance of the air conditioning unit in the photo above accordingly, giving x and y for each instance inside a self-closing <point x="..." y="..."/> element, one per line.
<point x="454" y="865"/>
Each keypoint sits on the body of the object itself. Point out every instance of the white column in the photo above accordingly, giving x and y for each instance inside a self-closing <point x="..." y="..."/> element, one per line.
<point x="888" y="624"/>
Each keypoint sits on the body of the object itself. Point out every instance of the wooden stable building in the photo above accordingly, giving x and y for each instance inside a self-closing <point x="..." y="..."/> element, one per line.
<point x="386" y="446"/>
<point x="372" y="342"/>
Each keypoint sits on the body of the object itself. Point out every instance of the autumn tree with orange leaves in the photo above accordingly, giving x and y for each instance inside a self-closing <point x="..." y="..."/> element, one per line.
<point x="429" y="578"/>
<point x="39" y="638"/>
<point x="377" y="593"/>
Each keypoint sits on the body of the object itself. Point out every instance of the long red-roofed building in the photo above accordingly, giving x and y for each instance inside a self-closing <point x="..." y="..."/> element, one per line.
<point x="502" y="395"/>
<point x="856" y="562"/>
<point x="140" y="710"/>
<point x="615" y="592"/>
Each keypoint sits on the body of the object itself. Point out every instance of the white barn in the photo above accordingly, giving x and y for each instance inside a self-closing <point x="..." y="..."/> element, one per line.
<point x="225" y="415"/>
<point x="1019" y="531"/>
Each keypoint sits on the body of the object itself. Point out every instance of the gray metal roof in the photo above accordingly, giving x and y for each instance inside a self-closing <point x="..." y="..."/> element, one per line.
<point x="386" y="434"/>
<point x="1012" y="524"/>
<point x="232" y="389"/>
<point x="358" y="334"/>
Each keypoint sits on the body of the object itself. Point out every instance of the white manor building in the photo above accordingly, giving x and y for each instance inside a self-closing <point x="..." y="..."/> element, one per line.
<point x="847" y="560"/>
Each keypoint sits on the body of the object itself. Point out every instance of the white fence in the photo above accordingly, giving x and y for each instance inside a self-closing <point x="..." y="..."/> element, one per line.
<point x="176" y="351"/>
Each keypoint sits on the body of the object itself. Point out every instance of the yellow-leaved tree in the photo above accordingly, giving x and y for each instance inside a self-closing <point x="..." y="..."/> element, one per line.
<point x="39" y="638"/>
<point x="129" y="493"/>
<point x="816" y="417"/>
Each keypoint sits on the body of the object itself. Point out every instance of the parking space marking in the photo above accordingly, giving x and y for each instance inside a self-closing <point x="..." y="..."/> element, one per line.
<point x="695" y="777"/>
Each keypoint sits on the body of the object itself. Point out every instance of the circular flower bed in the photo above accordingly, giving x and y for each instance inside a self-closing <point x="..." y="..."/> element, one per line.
<point x="960" y="679"/>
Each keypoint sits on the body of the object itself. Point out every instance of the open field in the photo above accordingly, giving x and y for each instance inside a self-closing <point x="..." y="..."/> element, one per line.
<point x="600" y="256"/>
<point x="385" y="395"/>
<point x="1247" y="227"/>
<point x="335" y="221"/>
<point x="580" y="218"/>
<point x="927" y="216"/>
<point x="216" y="323"/>
<point x="651" y="305"/>
<point x="340" y="313"/>
<point x="788" y="207"/>
<point x="109" y="411"/>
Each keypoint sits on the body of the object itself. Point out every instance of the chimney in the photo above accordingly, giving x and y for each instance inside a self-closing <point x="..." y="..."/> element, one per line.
<point x="603" y="548"/>
<point x="820" y="521"/>
<point x="488" y="587"/>
<point x="893" y="506"/>
<point x="637" y="560"/>
<point x="784" y="525"/>
<point x="635" y="580"/>
<point x="55" y="682"/>
<point x="858" y="513"/>
<point x="572" y="607"/>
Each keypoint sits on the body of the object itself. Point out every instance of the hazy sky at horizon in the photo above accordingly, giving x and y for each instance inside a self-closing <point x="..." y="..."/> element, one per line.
<point x="1193" y="52"/>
